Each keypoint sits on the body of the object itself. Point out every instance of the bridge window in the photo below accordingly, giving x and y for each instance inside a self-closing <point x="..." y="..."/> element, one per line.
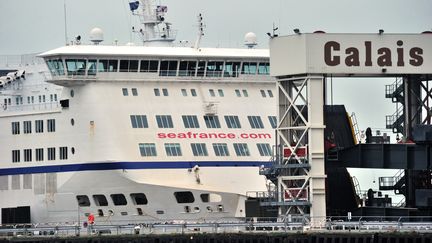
<point x="56" y="67"/>
<point x="264" y="69"/>
<point x="75" y="66"/>
<point x="128" y="65"/>
<point x="83" y="200"/>
<point x="249" y="68"/>
<point x="199" y="149"/>
<point x="139" y="198"/>
<point x="232" y="69"/>
<point x="187" y="68"/>
<point x="107" y="66"/>
<point x="149" y="66"/>
<point x="91" y="67"/>
<point x="241" y="149"/>
<point x="147" y="149"/>
<point x="201" y="68"/>
<point x="221" y="149"/>
<point x="214" y="69"/>
<point x="184" y="197"/>
<point x="168" y="68"/>
<point x="100" y="200"/>
<point x="118" y="199"/>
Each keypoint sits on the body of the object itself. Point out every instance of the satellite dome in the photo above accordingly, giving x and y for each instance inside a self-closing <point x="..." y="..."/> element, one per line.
<point x="250" y="39"/>
<point x="96" y="36"/>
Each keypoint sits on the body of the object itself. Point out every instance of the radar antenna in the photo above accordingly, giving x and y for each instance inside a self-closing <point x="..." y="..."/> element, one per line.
<point x="152" y="17"/>
<point x="200" y="31"/>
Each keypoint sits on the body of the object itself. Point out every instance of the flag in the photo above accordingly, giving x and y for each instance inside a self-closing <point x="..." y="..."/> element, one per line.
<point x="133" y="5"/>
<point x="161" y="9"/>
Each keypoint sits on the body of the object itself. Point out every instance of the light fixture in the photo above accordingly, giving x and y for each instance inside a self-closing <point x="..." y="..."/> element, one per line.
<point x="381" y="31"/>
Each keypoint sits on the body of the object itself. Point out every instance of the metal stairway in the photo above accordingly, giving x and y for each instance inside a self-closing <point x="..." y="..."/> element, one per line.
<point x="395" y="91"/>
<point x="395" y="183"/>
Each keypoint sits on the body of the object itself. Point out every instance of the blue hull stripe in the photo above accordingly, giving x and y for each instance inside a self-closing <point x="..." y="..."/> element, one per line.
<point x="128" y="166"/>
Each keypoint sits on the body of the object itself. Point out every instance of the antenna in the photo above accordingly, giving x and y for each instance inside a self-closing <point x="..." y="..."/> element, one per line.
<point x="200" y="31"/>
<point x="65" y="21"/>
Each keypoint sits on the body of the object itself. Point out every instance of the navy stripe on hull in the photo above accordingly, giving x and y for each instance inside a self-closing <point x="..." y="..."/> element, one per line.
<point x="128" y="166"/>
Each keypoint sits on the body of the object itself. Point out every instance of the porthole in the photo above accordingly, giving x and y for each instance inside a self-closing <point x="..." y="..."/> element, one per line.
<point x="73" y="150"/>
<point x="72" y="122"/>
<point x="72" y="93"/>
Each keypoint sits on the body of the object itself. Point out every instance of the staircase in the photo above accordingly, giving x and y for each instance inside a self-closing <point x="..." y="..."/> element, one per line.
<point x="395" y="92"/>
<point x="396" y="183"/>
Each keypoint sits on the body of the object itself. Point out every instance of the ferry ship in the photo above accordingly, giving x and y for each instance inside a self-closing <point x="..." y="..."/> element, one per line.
<point x="135" y="133"/>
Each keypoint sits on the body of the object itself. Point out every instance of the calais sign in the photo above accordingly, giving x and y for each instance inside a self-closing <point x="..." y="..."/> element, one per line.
<point x="351" y="54"/>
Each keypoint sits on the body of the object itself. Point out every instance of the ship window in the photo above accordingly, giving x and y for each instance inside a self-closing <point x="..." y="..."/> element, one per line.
<point x="27" y="155"/>
<point x="39" y="154"/>
<point x="168" y="68"/>
<point x="149" y="66"/>
<point x="125" y="92"/>
<point x="165" y="92"/>
<point x="56" y="67"/>
<point x="15" y="128"/>
<point x="134" y="92"/>
<point x="128" y="65"/>
<point x="55" y="97"/>
<point x="107" y="65"/>
<point x="139" y="198"/>
<point x="212" y="93"/>
<point x="147" y="149"/>
<point x="263" y="94"/>
<point x="273" y="121"/>
<point x="245" y="93"/>
<point x="51" y="125"/>
<point x="232" y="121"/>
<point x="184" y="92"/>
<point x="190" y="121"/>
<point x="210" y="197"/>
<point x="201" y="68"/>
<point x="83" y="200"/>
<point x="156" y="92"/>
<point x="139" y="211"/>
<point x="160" y="212"/>
<point x="91" y="67"/>
<point x="164" y="121"/>
<point x="264" y="149"/>
<point x="270" y="93"/>
<point x="118" y="199"/>
<point x="139" y="121"/>
<point x="221" y="93"/>
<point x="212" y="121"/>
<point x="100" y="200"/>
<point x="221" y="149"/>
<point x="16" y="156"/>
<point x="173" y="149"/>
<point x="232" y="69"/>
<point x="187" y="68"/>
<point x="255" y="122"/>
<point x="63" y="153"/>
<point x="184" y="197"/>
<point x="214" y="69"/>
<point x="241" y="149"/>
<point x="193" y="92"/>
<point x="237" y="92"/>
<point x="27" y="126"/>
<point x="249" y="68"/>
<point x="199" y="149"/>
<point x="264" y="68"/>
<point x="75" y="66"/>
<point x="51" y="154"/>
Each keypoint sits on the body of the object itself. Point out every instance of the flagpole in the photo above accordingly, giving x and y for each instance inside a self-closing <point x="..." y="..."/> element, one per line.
<point x="65" y="21"/>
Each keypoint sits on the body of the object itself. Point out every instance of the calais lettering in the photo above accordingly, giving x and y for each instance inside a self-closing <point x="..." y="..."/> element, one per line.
<point x="351" y="55"/>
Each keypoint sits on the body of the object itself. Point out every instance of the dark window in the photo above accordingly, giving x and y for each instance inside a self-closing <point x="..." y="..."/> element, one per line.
<point x="125" y="92"/>
<point x="187" y="68"/>
<point x="91" y="67"/>
<point x="245" y="93"/>
<point x="190" y="121"/>
<point x="149" y="66"/>
<point x="214" y="69"/>
<point x="173" y="149"/>
<point x="184" y="92"/>
<point x="15" y="128"/>
<point x="51" y="125"/>
<point x="164" y="121"/>
<point x="118" y="199"/>
<point x="270" y="93"/>
<point x="83" y="200"/>
<point x="199" y="149"/>
<point x="39" y="154"/>
<point x="184" y="197"/>
<point x="100" y="200"/>
<point x="273" y="121"/>
<point x="264" y="149"/>
<point x="212" y="121"/>
<point x="156" y="92"/>
<point x="27" y="155"/>
<point x="220" y="149"/>
<point x="256" y="122"/>
<point x="16" y="156"/>
<point x="264" y="68"/>
<point x="139" y="198"/>
<point x="212" y="93"/>
<point x="263" y="94"/>
<point x="232" y="69"/>
<point x="168" y="68"/>
<point x="241" y="149"/>
<point x="237" y="92"/>
<point x="201" y="68"/>
<point x="63" y="153"/>
<point x="39" y="126"/>
<point x="139" y="121"/>
<point x="27" y="126"/>
<point x="51" y="154"/>
<point x="165" y="92"/>
<point x="221" y="93"/>
<point x="107" y="65"/>
<point x="147" y="149"/>
<point x="249" y="68"/>
<point x="193" y="92"/>
<point x="232" y="121"/>
<point x="128" y="65"/>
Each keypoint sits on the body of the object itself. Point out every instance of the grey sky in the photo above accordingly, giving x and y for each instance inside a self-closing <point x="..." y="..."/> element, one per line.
<point x="29" y="26"/>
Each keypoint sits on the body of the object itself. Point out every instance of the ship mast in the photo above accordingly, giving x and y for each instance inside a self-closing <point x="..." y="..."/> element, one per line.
<point x="154" y="31"/>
